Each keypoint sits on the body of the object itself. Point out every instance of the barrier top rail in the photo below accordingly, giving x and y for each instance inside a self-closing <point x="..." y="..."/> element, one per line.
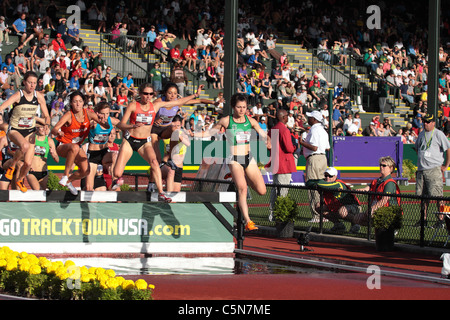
<point x="112" y="196"/>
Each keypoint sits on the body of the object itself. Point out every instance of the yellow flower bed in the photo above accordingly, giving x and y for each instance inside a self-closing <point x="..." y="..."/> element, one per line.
<point x="25" y="274"/>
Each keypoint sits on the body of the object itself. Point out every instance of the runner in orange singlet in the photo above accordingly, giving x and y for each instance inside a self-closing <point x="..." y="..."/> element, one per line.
<point x="71" y="131"/>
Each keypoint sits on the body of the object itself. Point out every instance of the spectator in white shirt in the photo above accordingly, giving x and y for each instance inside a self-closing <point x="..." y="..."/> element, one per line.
<point x="99" y="92"/>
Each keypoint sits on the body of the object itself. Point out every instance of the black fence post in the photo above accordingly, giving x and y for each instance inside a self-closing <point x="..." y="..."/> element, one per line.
<point x="369" y="216"/>
<point x="422" y="223"/>
<point x="321" y="211"/>
<point x="239" y="224"/>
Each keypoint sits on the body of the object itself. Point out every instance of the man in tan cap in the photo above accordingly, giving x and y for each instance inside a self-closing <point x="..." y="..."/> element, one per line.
<point x="431" y="145"/>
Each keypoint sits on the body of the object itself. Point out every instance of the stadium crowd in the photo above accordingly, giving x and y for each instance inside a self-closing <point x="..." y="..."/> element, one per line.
<point x="395" y="56"/>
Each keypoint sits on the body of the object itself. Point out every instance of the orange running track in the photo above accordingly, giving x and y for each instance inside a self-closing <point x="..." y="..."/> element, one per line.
<point x="311" y="286"/>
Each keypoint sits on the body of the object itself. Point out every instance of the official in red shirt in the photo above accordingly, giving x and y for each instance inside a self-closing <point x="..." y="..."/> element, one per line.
<point x="282" y="162"/>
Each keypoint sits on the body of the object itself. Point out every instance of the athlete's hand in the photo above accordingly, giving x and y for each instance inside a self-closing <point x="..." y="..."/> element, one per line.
<point x="137" y="125"/>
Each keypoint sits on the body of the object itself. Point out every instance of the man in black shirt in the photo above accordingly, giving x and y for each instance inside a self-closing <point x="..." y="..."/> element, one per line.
<point x="60" y="85"/>
<point x="116" y="83"/>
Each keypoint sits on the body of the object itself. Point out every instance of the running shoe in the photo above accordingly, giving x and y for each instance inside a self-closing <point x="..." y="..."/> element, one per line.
<point x="151" y="187"/>
<point x="21" y="186"/>
<point x="72" y="189"/>
<point x="250" y="226"/>
<point x="116" y="184"/>
<point x="9" y="173"/>
<point x="163" y="198"/>
<point x="63" y="180"/>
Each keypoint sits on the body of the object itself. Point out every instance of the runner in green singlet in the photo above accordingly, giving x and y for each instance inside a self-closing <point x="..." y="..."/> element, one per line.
<point x="38" y="175"/>
<point x="242" y="165"/>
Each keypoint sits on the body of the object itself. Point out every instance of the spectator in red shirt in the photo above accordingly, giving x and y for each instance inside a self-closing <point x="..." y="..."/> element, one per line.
<point x="176" y="56"/>
<point x="58" y="43"/>
<point x="194" y="58"/>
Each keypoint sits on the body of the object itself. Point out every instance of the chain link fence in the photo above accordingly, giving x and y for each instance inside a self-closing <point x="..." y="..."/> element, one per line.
<point x="431" y="232"/>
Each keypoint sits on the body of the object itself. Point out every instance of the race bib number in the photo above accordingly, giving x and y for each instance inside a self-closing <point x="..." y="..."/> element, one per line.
<point x="243" y="137"/>
<point x="101" y="138"/>
<point x="39" y="151"/>
<point x="76" y="140"/>
<point x="143" y="118"/>
<point x="25" y="122"/>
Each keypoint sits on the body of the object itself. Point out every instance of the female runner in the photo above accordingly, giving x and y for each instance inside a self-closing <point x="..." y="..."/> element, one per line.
<point x="137" y="134"/>
<point x="98" y="138"/>
<point x="70" y="131"/>
<point x="162" y="128"/>
<point x="38" y="175"/>
<point x="242" y="165"/>
<point x="22" y="125"/>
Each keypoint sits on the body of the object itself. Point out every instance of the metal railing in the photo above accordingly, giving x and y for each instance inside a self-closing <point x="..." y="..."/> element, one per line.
<point x="352" y="87"/>
<point x="354" y="65"/>
<point x="414" y="230"/>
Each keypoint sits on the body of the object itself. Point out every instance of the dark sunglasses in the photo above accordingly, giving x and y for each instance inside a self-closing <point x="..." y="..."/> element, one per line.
<point x="384" y="165"/>
<point x="148" y="93"/>
<point x="426" y="121"/>
<point x="327" y="175"/>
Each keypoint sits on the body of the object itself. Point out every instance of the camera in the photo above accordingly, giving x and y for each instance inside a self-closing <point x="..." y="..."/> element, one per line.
<point x="303" y="240"/>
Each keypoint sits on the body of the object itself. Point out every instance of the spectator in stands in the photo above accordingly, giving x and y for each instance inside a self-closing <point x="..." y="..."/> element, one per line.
<point x="38" y="29"/>
<point x="4" y="79"/>
<point x="187" y="57"/>
<point x="369" y="61"/>
<point x="101" y="19"/>
<point x="160" y="50"/>
<point x="179" y="77"/>
<point x="128" y="84"/>
<point x="98" y="61"/>
<point x="58" y="43"/>
<point x="407" y="91"/>
<point x="62" y="29"/>
<point x="74" y="33"/>
<point x="175" y="55"/>
<point x="156" y="76"/>
<point x="99" y="93"/>
<point x="370" y="130"/>
<point x="20" y="28"/>
<point x="151" y="36"/>
<point x="4" y="32"/>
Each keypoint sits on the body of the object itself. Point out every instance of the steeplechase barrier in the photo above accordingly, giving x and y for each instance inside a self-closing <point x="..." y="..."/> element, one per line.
<point x="119" y="223"/>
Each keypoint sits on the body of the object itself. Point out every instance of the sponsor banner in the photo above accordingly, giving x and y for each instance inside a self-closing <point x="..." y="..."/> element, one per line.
<point x="111" y="222"/>
<point x="297" y="178"/>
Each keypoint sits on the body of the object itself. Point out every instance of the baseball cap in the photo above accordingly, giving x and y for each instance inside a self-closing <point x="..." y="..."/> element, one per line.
<point x="429" y="117"/>
<point x="331" y="171"/>
<point x="316" y="115"/>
